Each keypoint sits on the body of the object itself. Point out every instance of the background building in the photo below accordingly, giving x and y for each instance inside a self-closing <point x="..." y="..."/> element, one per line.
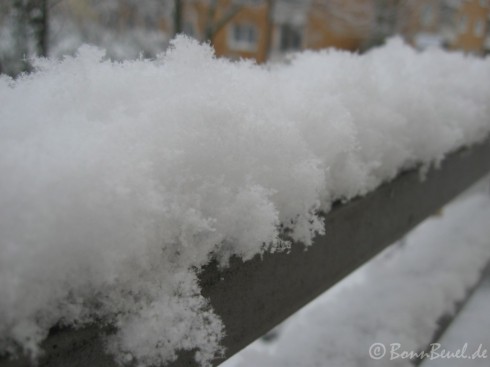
<point x="255" y="29"/>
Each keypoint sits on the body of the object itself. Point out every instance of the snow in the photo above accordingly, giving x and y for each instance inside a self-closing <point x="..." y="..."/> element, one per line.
<point x="471" y="327"/>
<point x="396" y="298"/>
<point x="120" y="180"/>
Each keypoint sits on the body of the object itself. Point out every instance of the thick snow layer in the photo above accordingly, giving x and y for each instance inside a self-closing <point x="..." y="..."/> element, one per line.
<point x="120" y="180"/>
<point x="396" y="298"/>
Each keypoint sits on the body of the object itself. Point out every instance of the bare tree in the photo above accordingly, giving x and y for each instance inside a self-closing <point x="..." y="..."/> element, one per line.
<point x="213" y="24"/>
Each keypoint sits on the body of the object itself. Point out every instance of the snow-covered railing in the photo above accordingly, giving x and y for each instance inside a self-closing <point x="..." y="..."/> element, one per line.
<point x="169" y="205"/>
<point x="252" y="297"/>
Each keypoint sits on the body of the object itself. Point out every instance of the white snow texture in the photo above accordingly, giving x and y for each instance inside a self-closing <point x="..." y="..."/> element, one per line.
<point x="119" y="181"/>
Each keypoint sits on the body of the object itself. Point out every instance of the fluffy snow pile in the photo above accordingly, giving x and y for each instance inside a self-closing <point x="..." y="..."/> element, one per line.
<point x="120" y="180"/>
<point x="396" y="298"/>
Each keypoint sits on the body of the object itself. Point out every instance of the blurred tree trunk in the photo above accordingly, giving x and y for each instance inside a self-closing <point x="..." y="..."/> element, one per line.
<point x="208" y="28"/>
<point x="31" y="27"/>
<point x="40" y="25"/>
<point x="20" y="14"/>
<point x="178" y="17"/>
<point x="270" y="27"/>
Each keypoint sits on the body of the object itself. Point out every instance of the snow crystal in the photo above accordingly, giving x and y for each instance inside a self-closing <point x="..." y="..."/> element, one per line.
<point x="119" y="180"/>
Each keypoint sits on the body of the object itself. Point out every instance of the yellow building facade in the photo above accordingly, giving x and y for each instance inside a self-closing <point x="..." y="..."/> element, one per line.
<point x="472" y="22"/>
<point x="255" y="30"/>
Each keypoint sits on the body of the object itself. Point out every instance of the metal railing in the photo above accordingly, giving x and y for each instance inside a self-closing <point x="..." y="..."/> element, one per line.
<point x="254" y="296"/>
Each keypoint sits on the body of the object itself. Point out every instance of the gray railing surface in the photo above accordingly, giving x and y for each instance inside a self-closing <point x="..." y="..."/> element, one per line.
<point x="254" y="296"/>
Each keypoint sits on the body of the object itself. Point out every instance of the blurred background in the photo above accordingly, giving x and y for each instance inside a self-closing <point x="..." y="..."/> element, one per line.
<point x="258" y="29"/>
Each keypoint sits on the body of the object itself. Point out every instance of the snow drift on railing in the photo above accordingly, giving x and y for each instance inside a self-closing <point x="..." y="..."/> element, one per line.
<point x="120" y="180"/>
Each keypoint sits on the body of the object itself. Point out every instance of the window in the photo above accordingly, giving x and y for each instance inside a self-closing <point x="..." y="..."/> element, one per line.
<point x="427" y="15"/>
<point x="290" y="38"/>
<point x="463" y="24"/>
<point x="479" y="29"/>
<point x="243" y="36"/>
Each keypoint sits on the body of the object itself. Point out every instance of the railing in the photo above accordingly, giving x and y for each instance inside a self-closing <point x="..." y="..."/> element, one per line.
<point x="254" y="296"/>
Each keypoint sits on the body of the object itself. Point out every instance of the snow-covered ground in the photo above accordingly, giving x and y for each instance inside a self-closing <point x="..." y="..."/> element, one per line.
<point x="471" y="328"/>
<point x="395" y="300"/>
<point x="120" y="180"/>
